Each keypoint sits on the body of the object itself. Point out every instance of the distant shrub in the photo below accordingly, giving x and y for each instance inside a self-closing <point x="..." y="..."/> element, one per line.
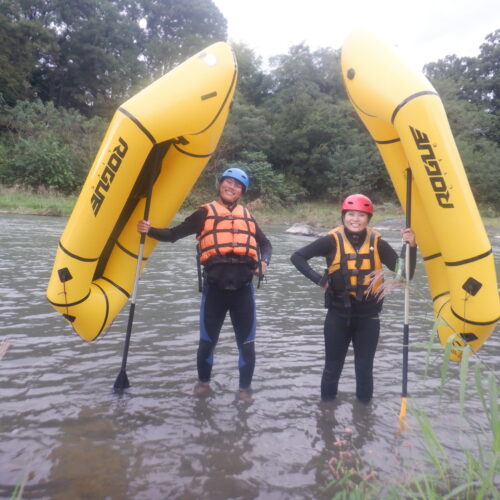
<point x="41" y="145"/>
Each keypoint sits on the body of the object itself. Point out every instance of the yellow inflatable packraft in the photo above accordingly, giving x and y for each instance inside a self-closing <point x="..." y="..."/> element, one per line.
<point x="165" y="134"/>
<point x="406" y="118"/>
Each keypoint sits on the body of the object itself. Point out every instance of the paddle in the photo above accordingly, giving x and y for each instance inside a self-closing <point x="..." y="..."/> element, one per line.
<point x="122" y="381"/>
<point x="406" y="328"/>
<point x="154" y="160"/>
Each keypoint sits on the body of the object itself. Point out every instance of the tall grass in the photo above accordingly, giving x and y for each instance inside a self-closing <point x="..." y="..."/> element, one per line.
<point x="319" y="214"/>
<point x="472" y="475"/>
<point x="36" y="202"/>
<point x="476" y="474"/>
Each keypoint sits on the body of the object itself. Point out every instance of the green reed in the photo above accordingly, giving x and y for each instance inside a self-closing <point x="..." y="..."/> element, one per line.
<point x="472" y="475"/>
<point x="475" y="474"/>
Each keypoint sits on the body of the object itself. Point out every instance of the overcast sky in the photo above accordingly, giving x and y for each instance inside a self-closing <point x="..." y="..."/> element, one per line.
<point x="423" y="30"/>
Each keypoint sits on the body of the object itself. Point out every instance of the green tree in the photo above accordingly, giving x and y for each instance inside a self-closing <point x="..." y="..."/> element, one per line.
<point x="254" y="84"/>
<point x="477" y="79"/>
<point x="25" y="43"/>
<point x="487" y="73"/>
<point x="97" y="58"/>
<point x="358" y="167"/>
<point x="46" y="146"/>
<point x="315" y="127"/>
<point x="480" y="159"/>
<point x="91" y="55"/>
<point x="265" y="184"/>
<point x="174" y="31"/>
<point x="247" y="130"/>
<point x="321" y="68"/>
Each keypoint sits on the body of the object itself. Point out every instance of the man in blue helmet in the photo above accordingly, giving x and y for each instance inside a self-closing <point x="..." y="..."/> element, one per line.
<point x="231" y="248"/>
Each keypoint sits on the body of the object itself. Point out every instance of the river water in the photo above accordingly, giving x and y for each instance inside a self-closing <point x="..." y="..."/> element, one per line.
<point x="66" y="435"/>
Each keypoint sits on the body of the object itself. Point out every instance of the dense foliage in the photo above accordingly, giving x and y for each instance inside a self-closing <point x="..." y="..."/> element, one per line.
<point x="66" y="66"/>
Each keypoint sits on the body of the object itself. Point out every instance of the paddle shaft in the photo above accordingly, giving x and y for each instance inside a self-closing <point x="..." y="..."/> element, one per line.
<point x="132" y="302"/>
<point x="122" y="381"/>
<point x="406" y="327"/>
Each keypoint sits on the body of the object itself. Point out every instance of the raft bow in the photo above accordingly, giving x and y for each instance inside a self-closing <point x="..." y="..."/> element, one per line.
<point x="406" y="118"/>
<point x="167" y="132"/>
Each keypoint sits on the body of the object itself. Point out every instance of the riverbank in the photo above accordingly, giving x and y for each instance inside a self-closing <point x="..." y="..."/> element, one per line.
<point x="315" y="214"/>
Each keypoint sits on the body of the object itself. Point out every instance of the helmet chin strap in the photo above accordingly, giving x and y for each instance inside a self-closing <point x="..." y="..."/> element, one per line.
<point x="227" y="204"/>
<point x="230" y="206"/>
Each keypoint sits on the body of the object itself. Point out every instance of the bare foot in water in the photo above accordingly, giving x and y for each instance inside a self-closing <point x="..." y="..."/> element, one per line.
<point x="201" y="389"/>
<point x="246" y="395"/>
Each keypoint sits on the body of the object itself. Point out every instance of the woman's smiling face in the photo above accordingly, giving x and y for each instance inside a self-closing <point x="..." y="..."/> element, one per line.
<point x="356" y="221"/>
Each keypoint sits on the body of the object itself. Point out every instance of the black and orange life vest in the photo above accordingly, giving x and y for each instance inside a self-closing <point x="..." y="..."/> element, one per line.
<point x="227" y="232"/>
<point x="351" y="269"/>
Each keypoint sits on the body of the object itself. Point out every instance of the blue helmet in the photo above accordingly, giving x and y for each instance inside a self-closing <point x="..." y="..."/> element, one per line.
<point x="236" y="174"/>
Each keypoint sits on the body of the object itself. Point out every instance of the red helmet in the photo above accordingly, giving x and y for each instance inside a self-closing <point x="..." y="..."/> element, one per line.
<point x="358" y="202"/>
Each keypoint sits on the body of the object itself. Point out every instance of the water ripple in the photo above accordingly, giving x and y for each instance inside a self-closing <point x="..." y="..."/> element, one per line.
<point x="63" y="425"/>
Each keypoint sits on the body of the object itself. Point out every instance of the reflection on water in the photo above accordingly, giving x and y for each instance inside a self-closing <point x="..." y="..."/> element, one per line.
<point x="65" y="431"/>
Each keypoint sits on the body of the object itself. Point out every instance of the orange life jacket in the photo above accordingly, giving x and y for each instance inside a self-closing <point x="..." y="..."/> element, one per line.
<point x="227" y="232"/>
<point x="355" y="266"/>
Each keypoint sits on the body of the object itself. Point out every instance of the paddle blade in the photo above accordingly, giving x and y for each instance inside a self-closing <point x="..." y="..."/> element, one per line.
<point x="121" y="382"/>
<point x="402" y="411"/>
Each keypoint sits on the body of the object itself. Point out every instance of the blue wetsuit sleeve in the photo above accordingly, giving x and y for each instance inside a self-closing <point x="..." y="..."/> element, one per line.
<point x="322" y="247"/>
<point x="265" y="247"/>
<point x="191" y="225"/>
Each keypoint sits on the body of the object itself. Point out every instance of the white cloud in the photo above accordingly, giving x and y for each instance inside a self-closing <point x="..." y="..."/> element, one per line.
<point x="424" y="30"/>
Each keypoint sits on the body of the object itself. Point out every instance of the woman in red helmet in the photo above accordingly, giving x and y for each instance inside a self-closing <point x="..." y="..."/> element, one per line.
<point x="353" y="252"/>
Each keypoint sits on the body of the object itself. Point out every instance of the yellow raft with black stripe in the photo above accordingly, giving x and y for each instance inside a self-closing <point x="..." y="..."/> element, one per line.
<point x="169" y="130"/>
<point x="406" y="118"/>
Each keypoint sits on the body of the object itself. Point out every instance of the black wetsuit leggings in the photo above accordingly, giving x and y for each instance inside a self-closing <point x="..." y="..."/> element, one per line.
<point x="339" y="332"/>
<point x="215" y="304"/>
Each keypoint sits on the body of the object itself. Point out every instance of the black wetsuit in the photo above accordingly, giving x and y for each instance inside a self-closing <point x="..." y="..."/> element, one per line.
<point x="358" y="323"/>
<point x="227" y="286"/>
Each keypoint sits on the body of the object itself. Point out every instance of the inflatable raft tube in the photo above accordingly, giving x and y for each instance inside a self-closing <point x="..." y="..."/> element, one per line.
<point x="406" y="118"/>
<point x="167" y="132"/>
